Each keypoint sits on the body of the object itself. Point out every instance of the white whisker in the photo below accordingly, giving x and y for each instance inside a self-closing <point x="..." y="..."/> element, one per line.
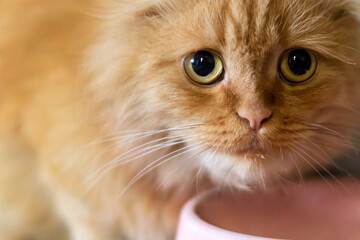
<point x="172" y="172"/>
<point x="319" y="126"/>
<point x="202" y="170"/>
<point x="142" y="148"/>
<point x="321" y="165"/>
<point x="167" y="177"/>
<point x="113" y="164"/>
<point x="140" y="133"/>
<point x="297" y="168"/>
<point x="326" y="155"/>
<point x="312" y="166"/>
<point x="158" y="162"/>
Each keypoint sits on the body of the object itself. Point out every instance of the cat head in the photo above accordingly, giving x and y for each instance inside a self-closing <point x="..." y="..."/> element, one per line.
<point x="256" y="90"/>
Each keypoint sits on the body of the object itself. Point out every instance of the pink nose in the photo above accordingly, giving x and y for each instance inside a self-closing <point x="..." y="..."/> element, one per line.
<point x="255" y="118"/>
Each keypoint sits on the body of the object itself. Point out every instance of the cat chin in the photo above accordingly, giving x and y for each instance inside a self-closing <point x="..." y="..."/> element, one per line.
<point x="252" y="170"/>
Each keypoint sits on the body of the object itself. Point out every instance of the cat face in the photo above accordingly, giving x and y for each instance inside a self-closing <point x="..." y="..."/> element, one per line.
<point x="267" y="88"/>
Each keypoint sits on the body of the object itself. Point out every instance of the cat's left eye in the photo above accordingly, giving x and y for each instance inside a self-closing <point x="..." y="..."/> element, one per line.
<point x="204" y="67"/>
<point x="298" y="66"/>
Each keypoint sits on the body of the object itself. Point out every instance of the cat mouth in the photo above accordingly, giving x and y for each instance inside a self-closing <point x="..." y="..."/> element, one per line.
<point x="251" y="147"/>
<point x="254" y="148"/>
<point x="253" y="153"/>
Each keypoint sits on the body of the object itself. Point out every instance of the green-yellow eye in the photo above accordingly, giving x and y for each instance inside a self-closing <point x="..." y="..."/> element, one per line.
<point x="204" y="67"/>
<point x="298" y="65"/>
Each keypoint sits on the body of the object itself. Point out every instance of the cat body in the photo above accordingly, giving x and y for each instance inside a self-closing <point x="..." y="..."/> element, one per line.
<point x="109" y="144"/>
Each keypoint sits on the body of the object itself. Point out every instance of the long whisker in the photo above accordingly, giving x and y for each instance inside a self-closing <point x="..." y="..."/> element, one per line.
<point x="134" y="135"/>
<point x="322" y="166"/>
<point x="140" y="133"/>
<point x="199" y="173"/>
<point x="333" y="141"/>
<point x="130" y="153"/>
<point x="297" y="168"/>
<point x="158" y="163"/>
<point x="295" y="164"/>
<point x="172" y="172"/>
<point x="312" y="166"/>
<point x="227" y="178"/>
<point x="326" y="155"/>
<point x="330" y="144"/>
<point x="116" y="163"/>
<point x="167" y="177"/>
<point x="319" y="126"/>
<point x="202" y="170"/>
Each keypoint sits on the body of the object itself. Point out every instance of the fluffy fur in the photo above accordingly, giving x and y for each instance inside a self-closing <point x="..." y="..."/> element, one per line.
<point x="110" y="145"/>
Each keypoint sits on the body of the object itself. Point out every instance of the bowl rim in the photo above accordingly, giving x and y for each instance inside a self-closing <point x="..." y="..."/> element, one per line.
<point x="191" y="219"/>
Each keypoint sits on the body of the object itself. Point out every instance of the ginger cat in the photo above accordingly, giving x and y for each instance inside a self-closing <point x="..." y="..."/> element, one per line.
<point x="113" y="114"/>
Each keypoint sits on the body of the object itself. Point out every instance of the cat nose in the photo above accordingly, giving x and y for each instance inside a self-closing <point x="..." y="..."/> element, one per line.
<point x="255" y="118"/>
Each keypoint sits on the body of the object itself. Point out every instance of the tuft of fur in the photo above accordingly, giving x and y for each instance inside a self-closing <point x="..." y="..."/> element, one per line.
<point x="111" y="145"/>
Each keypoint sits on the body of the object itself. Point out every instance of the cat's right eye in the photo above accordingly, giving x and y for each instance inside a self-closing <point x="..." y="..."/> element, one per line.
<point x="204" y="67"/>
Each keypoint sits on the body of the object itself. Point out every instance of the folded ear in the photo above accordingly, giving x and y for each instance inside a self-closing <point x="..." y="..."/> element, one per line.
<point x="345" y="9"/>
<point x="148" y="8"/>
<point x="152" y="9"/>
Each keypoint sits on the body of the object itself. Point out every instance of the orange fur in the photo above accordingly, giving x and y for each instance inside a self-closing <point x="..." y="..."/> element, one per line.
<point x="64" y="117"/>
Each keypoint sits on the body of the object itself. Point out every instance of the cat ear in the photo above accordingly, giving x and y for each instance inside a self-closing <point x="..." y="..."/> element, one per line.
<point x="153" y="9"/>
<point x="344" y="10"/>
<point x="340" y="14"/>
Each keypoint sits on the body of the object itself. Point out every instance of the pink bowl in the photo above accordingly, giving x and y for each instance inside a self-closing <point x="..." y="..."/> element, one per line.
<point x="315" y="210"/>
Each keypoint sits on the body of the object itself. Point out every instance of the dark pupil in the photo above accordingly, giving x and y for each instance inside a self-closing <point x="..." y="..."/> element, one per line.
<point x="203" y="63"/>
<point x="299" y="62"/>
